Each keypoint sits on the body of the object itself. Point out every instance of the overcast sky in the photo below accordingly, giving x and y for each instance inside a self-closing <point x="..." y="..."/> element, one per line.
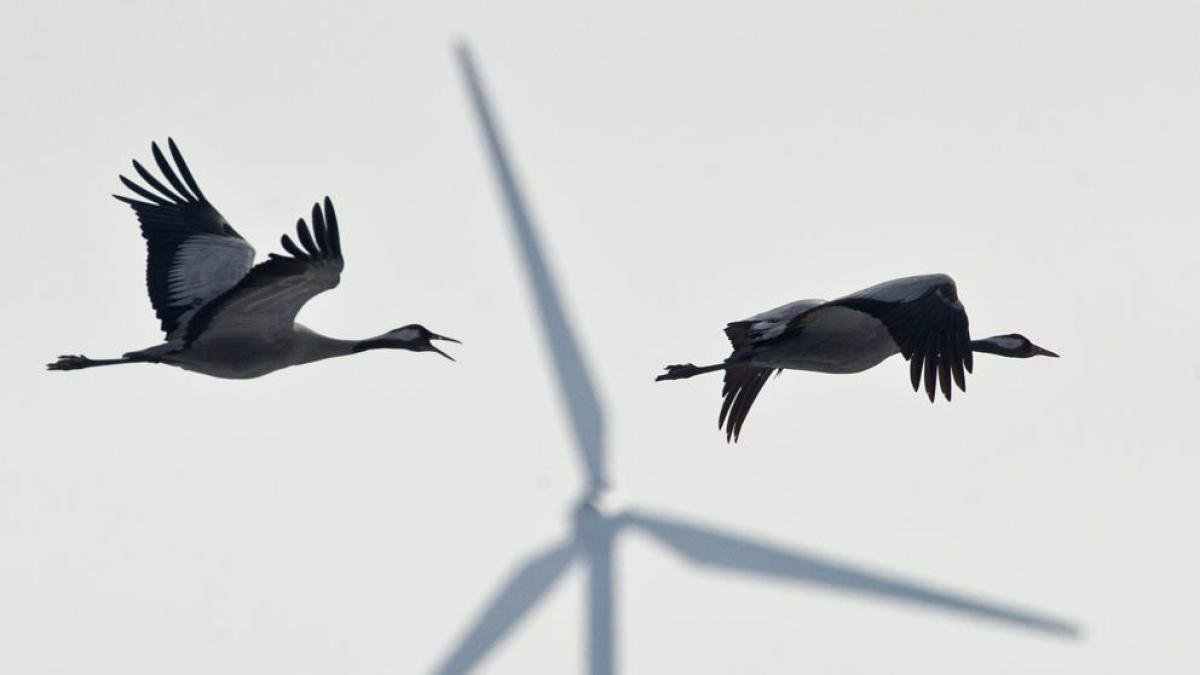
<point x="687" y="168"/>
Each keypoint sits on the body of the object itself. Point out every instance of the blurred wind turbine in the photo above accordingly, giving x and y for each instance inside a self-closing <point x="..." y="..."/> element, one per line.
<point x="593" y="532"/>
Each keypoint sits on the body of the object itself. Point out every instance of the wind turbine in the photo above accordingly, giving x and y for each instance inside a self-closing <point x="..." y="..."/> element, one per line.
<point x="590" y="541"/>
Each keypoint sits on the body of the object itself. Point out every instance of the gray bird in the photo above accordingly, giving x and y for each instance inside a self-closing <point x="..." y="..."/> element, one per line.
<point x="224" y="316"/>
<point x="919" y="317"/>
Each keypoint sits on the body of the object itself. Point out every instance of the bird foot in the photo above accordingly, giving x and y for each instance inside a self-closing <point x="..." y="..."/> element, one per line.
<point x="678" y="371"/>
<point x="70" y="362"/>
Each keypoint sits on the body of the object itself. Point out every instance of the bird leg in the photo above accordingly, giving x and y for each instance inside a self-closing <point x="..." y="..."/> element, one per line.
<point x="79" y="361"/>
<point x="686" y="370"/>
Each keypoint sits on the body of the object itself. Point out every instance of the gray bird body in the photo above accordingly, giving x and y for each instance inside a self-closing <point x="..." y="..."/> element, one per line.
<point x="247" y="356"/>
<point x="835" y="340"/>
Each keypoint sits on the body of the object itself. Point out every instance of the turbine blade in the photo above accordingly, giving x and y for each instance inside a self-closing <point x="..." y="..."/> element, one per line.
<point x="713" y="548"/>
<point x="600" y="607"/>
<point x="507" y="607"/>
<point x="574" y="379"/>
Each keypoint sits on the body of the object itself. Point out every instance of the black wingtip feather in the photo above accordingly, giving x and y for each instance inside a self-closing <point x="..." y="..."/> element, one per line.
<point x="184" y="170"/>
<point x="155" y="183"/>
<point x="742" y="386"/>
<point x="728" y="401"/>
<point x="335" y="240"/>
<point x="169" y="173"/>
<point x="306" y="239"/>
<point x="914" y="371"/>
<point x="318" y="242"/>
<point x="143" y="192"/>
<point x="930" y="372"/>
<point x="959" y="377"/>
<point x="290" y="246"/>
<point x="131" y="201"/>
<point x="947" y="355"/>
<point x="318" y="220"/>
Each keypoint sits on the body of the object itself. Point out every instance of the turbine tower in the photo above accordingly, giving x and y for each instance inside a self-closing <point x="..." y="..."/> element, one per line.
<point x="590" y="542"/>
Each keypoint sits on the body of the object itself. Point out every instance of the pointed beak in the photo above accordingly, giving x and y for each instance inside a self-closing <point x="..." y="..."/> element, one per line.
<point x="435" y="349"/>
<point x="1043" y="352"/>
<point x="435" y="336"/>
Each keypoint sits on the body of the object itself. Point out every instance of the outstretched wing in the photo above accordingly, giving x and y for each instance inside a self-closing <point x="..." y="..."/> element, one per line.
<point x="928" y="323"/>
<point x="265" y="302"/>
<point x="193" y="254"/>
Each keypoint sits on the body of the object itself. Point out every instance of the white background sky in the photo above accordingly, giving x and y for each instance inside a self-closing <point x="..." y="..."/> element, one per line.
<point x="687" y="167"/>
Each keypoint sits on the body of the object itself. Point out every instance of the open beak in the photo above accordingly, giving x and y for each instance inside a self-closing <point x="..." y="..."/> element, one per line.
<point x="447" y="339"/>
<point x="432" y="348"/>
<point x="1043" y="352"/>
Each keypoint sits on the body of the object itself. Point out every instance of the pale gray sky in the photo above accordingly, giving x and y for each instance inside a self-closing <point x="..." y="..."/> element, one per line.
<point x="687" y="167"/>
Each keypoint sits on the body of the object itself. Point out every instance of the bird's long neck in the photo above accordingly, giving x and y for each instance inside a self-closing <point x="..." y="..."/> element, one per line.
<point x="379" y="342"/>
<point x="997" y="344"/>
<point x="316" y="347"/>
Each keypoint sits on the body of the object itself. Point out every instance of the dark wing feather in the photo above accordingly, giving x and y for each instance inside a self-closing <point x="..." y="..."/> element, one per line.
<point x="929" y="325"/>
<point x="267" y="300"/>
<point x="944" y="359"/>
<point x="914" y="370"/>
<point x="742" y="384"/>
<point x="166" y="170"/>
<point x="183" y="169"/>
<point x="306" y="239"/>
<point x="193" y="253"/>
<point x="154" y="183"/>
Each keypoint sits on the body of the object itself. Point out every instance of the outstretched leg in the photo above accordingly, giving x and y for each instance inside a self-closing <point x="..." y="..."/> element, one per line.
<point x="686" y="370"/>
<point x="79" y="361"/>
